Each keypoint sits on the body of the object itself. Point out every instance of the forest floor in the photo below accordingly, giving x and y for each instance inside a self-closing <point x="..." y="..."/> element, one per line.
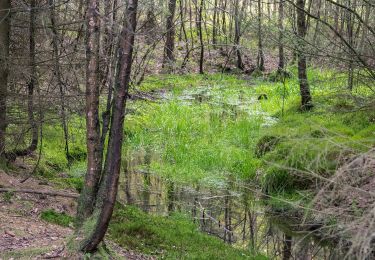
<point x="24" y="235"/>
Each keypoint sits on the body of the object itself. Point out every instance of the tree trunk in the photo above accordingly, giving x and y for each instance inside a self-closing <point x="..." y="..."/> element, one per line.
<point x="109" y="183"/>
<point x="31" y="86"/>
<point x="169" y="59"/>
<point x="365" y="30"/>
<point x="237" y="34"/>
<point x="4" y="68"/>
<point x="183" y="28"/>
<point x="260" y="58"/>
<point x="199" y="25"/>
<point x="306" y="100"/>
<point x="228" y="219"/>
<point x="150" y="24"/>
<point x="214" y="26"/>
<point x="350" y="32"/>
<point x="94" y="151"/>
<point x="57" y="73"/>
<point x="281" y="64"/>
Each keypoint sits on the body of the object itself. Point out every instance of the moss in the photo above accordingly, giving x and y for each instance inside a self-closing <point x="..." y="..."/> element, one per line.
<point x="54" y="217"/>
<point x="168" y="237"/>
<point x="7" y="196"/>
<point x="27" y="253"/>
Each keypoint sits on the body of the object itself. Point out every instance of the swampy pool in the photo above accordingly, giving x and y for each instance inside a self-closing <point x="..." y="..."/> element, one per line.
<point x="223" y="203"/>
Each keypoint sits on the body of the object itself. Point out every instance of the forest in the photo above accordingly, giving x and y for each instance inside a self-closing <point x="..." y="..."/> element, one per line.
<point x="187" y="129"/>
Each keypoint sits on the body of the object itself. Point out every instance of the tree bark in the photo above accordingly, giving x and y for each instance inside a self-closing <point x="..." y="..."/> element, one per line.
<point x="214" y="25"/>
<point x="57" y="73"/>
<point x="4" y="68"/>
<point x="260" y="58"/>
<point x="237" y="34"/>
<point x="110" y="65"/>
<point x="281" y="64"/>
<point x="168" y="59"/>
<point x="183" y="28"/>
<point x="31" y="86"/>
<point x="109" y="183"/>
<point x="306" y="100"/>
<point x="199" y="25"/>
<point x="94" y="151"/>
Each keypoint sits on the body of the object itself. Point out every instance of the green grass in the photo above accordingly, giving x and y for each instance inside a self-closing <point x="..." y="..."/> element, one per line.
<point x="313" y="145"/>
<point x="210" y="141"/>
<point x="198" y="140"/>
<point x="168" y="237"/>
<point x="54" y="217"/>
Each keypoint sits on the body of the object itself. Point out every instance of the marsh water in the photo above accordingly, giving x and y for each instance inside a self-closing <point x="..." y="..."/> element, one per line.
<point x="230" y="209"/>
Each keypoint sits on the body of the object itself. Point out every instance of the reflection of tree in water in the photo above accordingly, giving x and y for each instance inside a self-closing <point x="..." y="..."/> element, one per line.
<point x="231" y="213"/>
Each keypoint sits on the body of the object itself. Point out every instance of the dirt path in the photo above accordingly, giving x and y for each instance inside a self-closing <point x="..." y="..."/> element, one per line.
<point x="24" y="235"/>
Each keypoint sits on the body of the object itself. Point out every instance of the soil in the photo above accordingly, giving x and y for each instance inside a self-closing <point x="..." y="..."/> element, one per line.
<point x="24" y="235"/>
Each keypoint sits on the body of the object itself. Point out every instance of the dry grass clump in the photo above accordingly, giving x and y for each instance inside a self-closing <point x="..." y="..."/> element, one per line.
<point x="349" y="201"/>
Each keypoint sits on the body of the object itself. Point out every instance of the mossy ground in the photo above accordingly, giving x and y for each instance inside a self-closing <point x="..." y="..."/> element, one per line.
<point x="169" y="237"/>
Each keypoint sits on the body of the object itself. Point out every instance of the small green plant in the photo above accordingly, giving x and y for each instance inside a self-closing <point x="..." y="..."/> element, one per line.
<point x="54" y="217"/>
<point x="7" y="196"/>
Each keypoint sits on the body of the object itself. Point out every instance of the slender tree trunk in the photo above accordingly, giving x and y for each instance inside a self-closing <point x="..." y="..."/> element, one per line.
<point x="350" y="32"/>
<point x="33" y="80"/>
<point x="94" y="151"/>
<point x="31" y="86"/>
<point x="224" y="23"/>
<point x="4" y="68"/>
<point x="260" y="58"/>
<point x="214" y="26"/>
<point x="110" y="60"/>
<point x="228" y="219"/>
<point x="365" y="29"/>
<point x="187" y="49"/>
<point x="191" y="24"/>
<point x="109" y="183"/>
<point x="199" y="25"/>
<point x="186" y="58"/>
<point x="306" y="100"/>
<point x="169" y="59"/>
<point x="223" y="16"/>
<point x="150" y="23"/>
<point x="57" y="73"/>
<point x="336" y="17"/>
<point x="281" y="64"/>
<point x="316" y="32"/>
<point x="237" y="34"/>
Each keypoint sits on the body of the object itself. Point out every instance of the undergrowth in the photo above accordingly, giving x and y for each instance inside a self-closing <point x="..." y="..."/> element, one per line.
<point x="54" y="217"/>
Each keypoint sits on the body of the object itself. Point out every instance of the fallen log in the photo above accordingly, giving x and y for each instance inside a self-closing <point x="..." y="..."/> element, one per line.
<point x="48" y="193"/>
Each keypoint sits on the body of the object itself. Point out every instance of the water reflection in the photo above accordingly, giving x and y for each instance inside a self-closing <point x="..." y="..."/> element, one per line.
<point x="229" y="212"/>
